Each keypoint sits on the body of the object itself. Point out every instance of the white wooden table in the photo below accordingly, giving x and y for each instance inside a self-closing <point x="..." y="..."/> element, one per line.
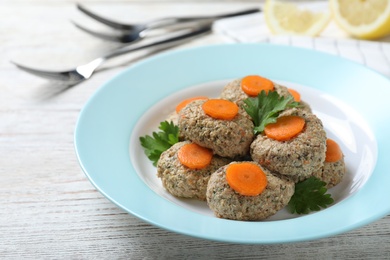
<point x="49" y="210"/>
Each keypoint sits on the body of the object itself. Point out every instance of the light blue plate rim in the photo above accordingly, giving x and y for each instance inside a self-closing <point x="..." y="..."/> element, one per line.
<point x="106" y="122"/>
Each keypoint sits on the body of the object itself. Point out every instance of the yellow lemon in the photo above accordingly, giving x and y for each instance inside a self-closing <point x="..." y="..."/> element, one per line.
<point x="365" y="19"/>
<point x="288" y="18"/>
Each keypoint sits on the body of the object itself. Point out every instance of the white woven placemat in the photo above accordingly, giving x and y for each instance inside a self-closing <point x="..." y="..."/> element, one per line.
<point x="252" y="28"/>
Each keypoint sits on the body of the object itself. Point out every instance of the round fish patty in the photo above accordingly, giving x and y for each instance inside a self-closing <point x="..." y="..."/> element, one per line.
<point x="331" y="173"/>
<point x="297" y="158"/>
<point x="233" y="92"/>
<point x="227" y="138"/>
<point x="227" y="203"/>
<point x="182" y="181"/>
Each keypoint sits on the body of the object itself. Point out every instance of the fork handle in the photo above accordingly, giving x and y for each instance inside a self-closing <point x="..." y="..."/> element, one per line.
<point x="165" y="43"/>
<point x="163" y="21"/>
<point x="174" y="20"/>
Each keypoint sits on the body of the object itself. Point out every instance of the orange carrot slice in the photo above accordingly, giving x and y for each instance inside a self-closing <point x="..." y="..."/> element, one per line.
<point x="295" y="94"/>
<point x="185" y="102"/>
<point x="333" y="151"/>
<point x="194" y="156"/>
<point x="246" y="178"/>
<point x="252" y="85"/>
<point x="220" y="109"/>
<point x="285" y="128"/>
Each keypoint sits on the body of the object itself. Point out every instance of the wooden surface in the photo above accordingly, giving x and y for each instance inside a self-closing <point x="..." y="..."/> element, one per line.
<point x="49" y="210"/>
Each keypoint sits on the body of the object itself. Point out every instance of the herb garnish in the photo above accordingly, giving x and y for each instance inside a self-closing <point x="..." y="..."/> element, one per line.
<point x="265" y="108"/>
<point x="309" y="196"/>
<point x="161" y="141"/>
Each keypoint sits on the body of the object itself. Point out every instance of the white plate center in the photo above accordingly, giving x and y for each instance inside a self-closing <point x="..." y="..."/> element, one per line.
<point x="342" y="123"/>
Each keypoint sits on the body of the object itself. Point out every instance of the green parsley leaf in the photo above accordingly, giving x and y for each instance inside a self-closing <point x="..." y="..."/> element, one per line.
<point x="265" y="108"/>
<point x="309" y="196"/>
<point x="160" y="141"/>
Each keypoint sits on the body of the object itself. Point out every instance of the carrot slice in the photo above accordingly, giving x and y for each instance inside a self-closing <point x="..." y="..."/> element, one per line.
<point x="252" y="85"/>
<point x="220" y="109"/>
<point x="285" y="128"/>
<point x="246" y="178"/>
<point x="333" y="151"/>
<point x="185" y="102"/>
<point x="295" y="94"/>
<point x="194" y="156"/>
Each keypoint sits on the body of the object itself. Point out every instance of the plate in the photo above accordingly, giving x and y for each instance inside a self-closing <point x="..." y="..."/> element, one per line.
<point x="350" y="99"/>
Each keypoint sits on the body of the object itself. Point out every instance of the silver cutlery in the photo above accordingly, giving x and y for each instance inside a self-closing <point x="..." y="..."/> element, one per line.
<point x="126" y="33"/>
<point x="85" y="71"/>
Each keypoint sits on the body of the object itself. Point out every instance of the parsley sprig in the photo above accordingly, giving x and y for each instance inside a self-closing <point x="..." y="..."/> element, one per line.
<point x="309" y="195"/>
<point x="265" y="108"/>
<point x="160" y="141"/>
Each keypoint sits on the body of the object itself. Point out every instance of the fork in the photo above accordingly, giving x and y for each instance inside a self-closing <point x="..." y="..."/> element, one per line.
<point x="132" y="32"/>
<point x="83" y="72"/>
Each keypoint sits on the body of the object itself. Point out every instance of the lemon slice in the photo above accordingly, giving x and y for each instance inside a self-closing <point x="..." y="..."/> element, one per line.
<point x="365" y="19"/>
<point x="288" y="18"/>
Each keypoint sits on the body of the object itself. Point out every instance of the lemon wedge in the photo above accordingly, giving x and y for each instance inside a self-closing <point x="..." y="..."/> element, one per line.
<point x="365" y="19"/>
<point x="288" y="18"/>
